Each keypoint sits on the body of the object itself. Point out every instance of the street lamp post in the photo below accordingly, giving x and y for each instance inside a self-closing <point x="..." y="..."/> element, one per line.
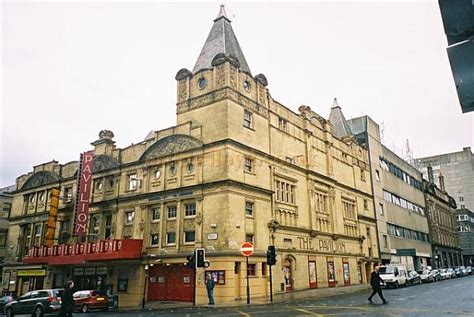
<point x="148" y="257"/>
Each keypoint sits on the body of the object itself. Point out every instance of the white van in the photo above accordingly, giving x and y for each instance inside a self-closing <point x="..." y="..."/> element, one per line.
<point x="394" y="275"/>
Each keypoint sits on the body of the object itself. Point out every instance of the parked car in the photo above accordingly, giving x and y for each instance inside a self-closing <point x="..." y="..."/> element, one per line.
<point x="37" y="303"/>
<point x="464" y="271"/>
<point x="451" y="273"/>
<point x="436" y="275"/>
<point x="469" y="270"/>
<point x="413" y="278"/>
<point x="90" y="299"/>
<point x="3" y="301"/>
<point x="444" y="274"/>
<point x="394" y="275"/>
<point x="426" y="276"/>
<point x="458" y="271"/>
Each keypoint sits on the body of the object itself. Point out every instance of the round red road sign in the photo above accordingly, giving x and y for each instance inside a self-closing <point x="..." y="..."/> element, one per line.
<point x="246" y="249"/>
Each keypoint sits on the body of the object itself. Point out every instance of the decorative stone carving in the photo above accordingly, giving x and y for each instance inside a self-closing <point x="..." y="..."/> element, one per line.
<point x="41" y="178"/>
<point x="262" y="79"/>
<point x="170" y="145"/>
<point x="182" y="91"/>
<point x="106" y="135"/>
<point x="104" y="162"/>
<point x="183" y="73"/>
<point x="189" y="225"/>
<point x="220" y="76"/>
<point x="155" y="228"/>
<point x="171" y="225"/>
<point x="219" y="59"/>
<point x="233" y="78"/>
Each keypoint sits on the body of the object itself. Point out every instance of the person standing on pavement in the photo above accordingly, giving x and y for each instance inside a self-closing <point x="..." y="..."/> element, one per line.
<point x="67" y="301"/>
<point x="375" y="281"/>
<point x="210" y="288"/>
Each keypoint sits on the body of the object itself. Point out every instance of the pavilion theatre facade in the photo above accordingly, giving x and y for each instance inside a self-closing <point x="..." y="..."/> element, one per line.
<point x="237" y="167"/>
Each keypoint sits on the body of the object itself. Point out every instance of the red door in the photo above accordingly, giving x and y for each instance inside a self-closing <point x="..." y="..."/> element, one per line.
<point x="170" y="283"/>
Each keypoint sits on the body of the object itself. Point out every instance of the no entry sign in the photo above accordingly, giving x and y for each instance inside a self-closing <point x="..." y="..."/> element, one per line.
<point x="246" y="249"/>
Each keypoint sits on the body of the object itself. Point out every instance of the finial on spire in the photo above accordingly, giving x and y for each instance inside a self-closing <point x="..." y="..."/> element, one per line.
<point x="335" y="104"/>
<point x="222" y="14"/>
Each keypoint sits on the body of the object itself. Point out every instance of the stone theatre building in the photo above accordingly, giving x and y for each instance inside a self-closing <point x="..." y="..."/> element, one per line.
<point x="238" y="166"/>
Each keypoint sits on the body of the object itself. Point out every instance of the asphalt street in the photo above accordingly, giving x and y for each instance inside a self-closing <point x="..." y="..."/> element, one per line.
<point x="445" y="298"/>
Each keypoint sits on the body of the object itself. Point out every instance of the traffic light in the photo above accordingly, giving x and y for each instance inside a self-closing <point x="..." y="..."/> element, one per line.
<point x="190" y="263"/>
<point x="271" y="255"/>
<point x="201" y="257"/>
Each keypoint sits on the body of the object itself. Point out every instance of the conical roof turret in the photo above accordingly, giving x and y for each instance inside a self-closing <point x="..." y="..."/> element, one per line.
<point x="221" y="39"/>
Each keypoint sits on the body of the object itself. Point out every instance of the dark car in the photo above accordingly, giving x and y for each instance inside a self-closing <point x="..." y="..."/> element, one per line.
<point x="36" y="303"/>
<point x="3" y="301"/>
<point x="88" y="300"/>
<point x="414" y="278"/>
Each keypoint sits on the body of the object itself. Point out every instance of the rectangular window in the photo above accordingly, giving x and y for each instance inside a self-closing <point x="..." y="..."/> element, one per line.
<point x="282" y="124"/>
<point x="3" y="237"/>
<point x="129" y="216"/>
<point x="170" y="238"/>
<point x="248" y="119"/>
<point x="362" y="175"/>
<point x="249" y="237"/>
<point x="37" y="234"/>
<point x="249" y="206"/>
<point x="108" y="227"/>
<point x="155" y="214"/>
<point x="132" y="182"/>
<point x="252" y="269"/>
<point x="368" y="232"/>
<point x="381" y="209"/>
<point x="385" y="241"/>
<point x="366" y="204"/>
<point x="68" y="194"/>
<point x="189" y="236"/>
<point x="154" y="239"/>
<point x="264" y="268"/>
<point x="377" y="175"/>
<point x="285" y="192"/>
<point x="190" y="210"/>
<point x="248" y="165"/>
<point x="172" y="211"/>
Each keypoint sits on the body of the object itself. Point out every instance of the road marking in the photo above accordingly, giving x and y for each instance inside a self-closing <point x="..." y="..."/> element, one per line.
<point x="308" y="312"/>
<point x="242" y="313"/>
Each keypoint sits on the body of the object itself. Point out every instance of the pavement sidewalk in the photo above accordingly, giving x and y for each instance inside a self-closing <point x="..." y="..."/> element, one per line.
<point x="281" y="297"/>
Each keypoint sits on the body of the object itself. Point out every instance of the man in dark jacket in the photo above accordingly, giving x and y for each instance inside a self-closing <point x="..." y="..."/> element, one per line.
<point x="67" y="301"/>
<point x="375" y="281"/>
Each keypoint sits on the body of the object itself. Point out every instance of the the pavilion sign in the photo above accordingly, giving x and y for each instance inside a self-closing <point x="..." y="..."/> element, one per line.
<point x="81" y="212"/>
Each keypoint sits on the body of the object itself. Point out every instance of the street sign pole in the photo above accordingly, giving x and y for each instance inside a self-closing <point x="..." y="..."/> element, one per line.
<point x="271" y="285"/>
<point x="248" y="285"/>
<point x="247" y="250"/>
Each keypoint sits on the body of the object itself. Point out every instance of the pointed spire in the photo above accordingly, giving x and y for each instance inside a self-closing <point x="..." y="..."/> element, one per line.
<point x="222" y="14"/>
<point x="336" y="117"/>
<point x="221" y="40"/>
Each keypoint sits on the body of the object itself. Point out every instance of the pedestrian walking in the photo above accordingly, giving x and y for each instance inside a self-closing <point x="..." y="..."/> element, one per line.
<point x="210" y="288"/>
<point x="67" y="300"/>
<point x="375" y="281"/>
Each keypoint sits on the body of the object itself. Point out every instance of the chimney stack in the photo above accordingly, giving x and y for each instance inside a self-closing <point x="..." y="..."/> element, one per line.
<point x="441" y="183"/>
<point x="430" y="174"/>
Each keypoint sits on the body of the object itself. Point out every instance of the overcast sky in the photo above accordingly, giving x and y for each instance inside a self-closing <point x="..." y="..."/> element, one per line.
<point x="71" y="69"/>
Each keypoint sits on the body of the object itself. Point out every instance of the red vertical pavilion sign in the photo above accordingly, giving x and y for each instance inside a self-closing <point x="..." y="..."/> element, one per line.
<point x="81" y="212"/>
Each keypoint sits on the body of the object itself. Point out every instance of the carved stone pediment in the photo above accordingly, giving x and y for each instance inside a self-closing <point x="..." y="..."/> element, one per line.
<point x="171" y="145"/>
<point x="41" y="178"/>
<point x="104" y="162"/>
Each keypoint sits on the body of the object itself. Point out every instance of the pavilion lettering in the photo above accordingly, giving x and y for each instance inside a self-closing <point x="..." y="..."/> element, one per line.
<point x="83" y="193"/>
